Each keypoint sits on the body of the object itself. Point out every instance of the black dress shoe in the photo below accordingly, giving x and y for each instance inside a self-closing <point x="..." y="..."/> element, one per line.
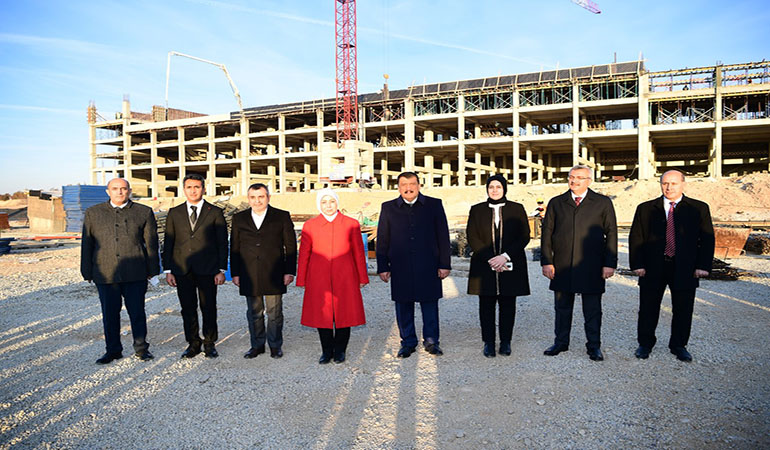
<point x="642" y="352"/>
<point x="489" y="350"/>
<point x="109" y="357"/>
<point x="191" y="352"/>
<point x="505" y="348"/>
<point x="555" y="350"/>
<point x="210" y="352"/>
<point x="405" y="352"/>
<point x="682" y="354"/>
<point x="254" y="352"/>
<point x="339" y="357"/>
<point x="434" y="349"/>
<point x="325" y="358"/>
<point x="276" y="352"/>
<point x="595" y="354"/>
<point x="144" y="355"/>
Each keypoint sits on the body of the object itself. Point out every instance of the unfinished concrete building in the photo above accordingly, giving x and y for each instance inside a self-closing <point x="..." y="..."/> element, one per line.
<point x="625" y="122"/>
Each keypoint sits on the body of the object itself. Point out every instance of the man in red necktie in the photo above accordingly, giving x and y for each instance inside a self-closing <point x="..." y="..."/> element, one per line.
<point x="671" y="244"/>
<point x="579" y="252"/>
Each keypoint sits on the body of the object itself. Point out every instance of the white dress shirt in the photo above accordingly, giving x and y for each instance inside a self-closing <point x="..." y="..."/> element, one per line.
<point x="258" y="218"/>
<point x="667" y="204"/>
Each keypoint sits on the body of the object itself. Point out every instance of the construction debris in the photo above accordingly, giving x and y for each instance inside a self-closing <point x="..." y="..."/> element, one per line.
<point x="759" y="244"/>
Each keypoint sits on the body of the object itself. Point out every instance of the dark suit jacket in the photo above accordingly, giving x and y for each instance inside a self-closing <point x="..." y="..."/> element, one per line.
<point x="262" y="257"/>
<point x="202" y="251"/>
<point x="119" y="245"/>
<point x="694" y="241"/>
<point x="482" y="280"/>
<point x="579" y="241"/>
<point x="412" y="244"/>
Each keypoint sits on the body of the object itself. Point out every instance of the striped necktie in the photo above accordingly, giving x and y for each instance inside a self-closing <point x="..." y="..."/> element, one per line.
<point x="670" y="232"/>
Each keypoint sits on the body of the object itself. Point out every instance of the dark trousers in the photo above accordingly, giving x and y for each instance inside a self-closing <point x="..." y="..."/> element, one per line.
<point x="112" y="296"/>
<point x="256" y="307"/>
<point x="507" y="317"/>
<point x="564" y="303"/>
<point x="334" y="341"/>
<point x="192" y="290"/>
<point x="682" y="302"/>
<point x="405" y="320"/>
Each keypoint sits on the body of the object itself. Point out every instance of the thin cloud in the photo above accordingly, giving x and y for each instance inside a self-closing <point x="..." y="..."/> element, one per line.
<point x="402" y="37"/>
<point x="41" y="41"/>
<point x="44" y="109"/>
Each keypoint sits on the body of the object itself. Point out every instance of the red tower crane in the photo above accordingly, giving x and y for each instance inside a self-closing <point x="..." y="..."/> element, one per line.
<point x="347" y="70"/>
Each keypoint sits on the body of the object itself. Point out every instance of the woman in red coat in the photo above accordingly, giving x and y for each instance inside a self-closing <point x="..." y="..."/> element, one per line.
<point x="332" y="268"/>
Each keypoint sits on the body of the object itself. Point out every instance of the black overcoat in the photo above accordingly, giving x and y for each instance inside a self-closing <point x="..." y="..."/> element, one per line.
<point x="412" y="244"/>
<point x="119" y="245"/>
<point x="694" y="241"/>
<point x="482" y="280"/>
<point x="203" y="250"/>
<point x="579" y="241"/>
<point x="261" y="257"/>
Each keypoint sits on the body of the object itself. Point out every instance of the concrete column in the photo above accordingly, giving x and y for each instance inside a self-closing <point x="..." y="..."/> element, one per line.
<point x="308" y="178"/>
<point x="583" y="123"/>
<point x="428" y="135"/>
<point x="429" y="168"/>
<point x="446" y="164"/>
<point x="597" y="162"/>
<point x="281" y="153"/>
<point x="243" y="155"/>
<point x="575" y="124"/>
<point x="211" y="184"/>
<point x="540" y="171"/>
<point x="182" y="160"/>
<point x="476" y="131"/>
<point x="92" y="151"/>
<point x="549" y="173"/>
<point x="271" y="173"/>
<point x="461" y="140"/>
<point x="154" y="164"/>
<point x="645" y="163"/>
<point x="409" y="134"/>
<point x="477" y="172"/>
<point x="515" y="142"/>
<point x="715" y="169"/>
<point x="528" y="128"/>
<point x="383" y="173"/>
<point x="528" y="170"/>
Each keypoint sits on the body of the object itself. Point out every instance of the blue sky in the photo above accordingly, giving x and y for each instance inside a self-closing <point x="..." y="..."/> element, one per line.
<point x="57" y="56"/>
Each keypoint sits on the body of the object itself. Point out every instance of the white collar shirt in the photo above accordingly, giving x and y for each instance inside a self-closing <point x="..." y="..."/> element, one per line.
<point x="258" y="218"/>
<point x="198" y="207"/>
<point x="667" y="203"/>
<point x="118" y="206"/>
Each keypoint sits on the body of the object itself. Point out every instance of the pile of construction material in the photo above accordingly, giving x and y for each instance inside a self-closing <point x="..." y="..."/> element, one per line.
<point x="76" y="199"/>
<point x="759" y="244"/>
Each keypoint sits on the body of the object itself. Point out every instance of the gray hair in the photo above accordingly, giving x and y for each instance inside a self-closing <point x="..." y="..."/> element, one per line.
<point x="583" y="167"/>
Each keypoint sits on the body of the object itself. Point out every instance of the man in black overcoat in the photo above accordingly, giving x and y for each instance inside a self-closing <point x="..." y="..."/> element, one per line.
<point x="119" y="253"/>
<point x="195" y="262"/>
<point x="671" y="244"/>
<point x="579" y="252"/>
<point x="413" y="251"/>
<point x="263" y="261"/>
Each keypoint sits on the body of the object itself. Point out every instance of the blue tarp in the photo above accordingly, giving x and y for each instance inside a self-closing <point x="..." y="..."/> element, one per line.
<point x="76" y="199"/>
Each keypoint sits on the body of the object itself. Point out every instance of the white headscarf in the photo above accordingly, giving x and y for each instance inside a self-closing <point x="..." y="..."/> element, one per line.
<point x="326" y="192"/>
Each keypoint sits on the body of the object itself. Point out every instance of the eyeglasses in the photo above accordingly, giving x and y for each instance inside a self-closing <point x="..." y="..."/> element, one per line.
<point x="573" y="178"/>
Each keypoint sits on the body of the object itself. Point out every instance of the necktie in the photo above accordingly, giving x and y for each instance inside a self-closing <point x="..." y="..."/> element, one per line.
<point x="670" y="233"/>
<point x="193" y="215"/>
<point x="577" y="200"/>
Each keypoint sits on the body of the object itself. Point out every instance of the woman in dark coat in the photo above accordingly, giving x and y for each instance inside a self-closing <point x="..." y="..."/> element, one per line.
<point x="497" y="232"/>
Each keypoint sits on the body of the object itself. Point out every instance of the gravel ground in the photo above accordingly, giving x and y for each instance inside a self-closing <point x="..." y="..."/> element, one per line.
<point x="52" y="394"/>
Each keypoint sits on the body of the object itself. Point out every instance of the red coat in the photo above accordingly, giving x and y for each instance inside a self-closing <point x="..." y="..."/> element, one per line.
<point x="332" y="266"/>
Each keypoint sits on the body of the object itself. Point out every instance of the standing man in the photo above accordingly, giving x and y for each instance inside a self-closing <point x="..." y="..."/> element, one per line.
<point x="579" y="252"/>
<point x="263" y="261"/>
<point x="413" y="249"/>
<point x="119" y="252"/>
<point x="671" y="244"/>
<point x="195" y="259"/>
